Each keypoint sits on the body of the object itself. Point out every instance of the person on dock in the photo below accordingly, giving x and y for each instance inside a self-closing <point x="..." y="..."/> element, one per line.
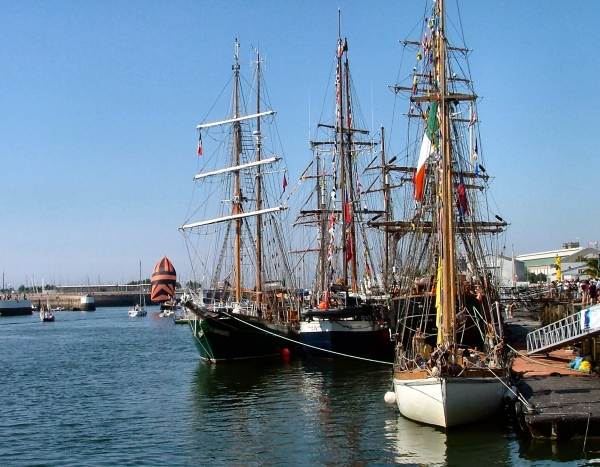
<point x="584" y="292"/>
<point x="509" y="309"/>
<point x="592" y="291"/>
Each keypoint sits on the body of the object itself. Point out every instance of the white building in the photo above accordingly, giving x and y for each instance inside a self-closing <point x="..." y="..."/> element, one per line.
<point x="571" y="263"/>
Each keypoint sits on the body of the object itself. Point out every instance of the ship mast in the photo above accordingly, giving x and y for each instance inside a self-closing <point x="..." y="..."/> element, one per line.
<point x="322" y="226"/>
<point x="257" y="134"/>
<point x="341" y="153"/>
<point x="351" y="242"/>
<point x="386" y="205"/>
<point x="237" y="198"/>
<point x="447" y="221"/>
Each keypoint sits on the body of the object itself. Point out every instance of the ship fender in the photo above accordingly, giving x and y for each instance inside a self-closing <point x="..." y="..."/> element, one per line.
<point x="390" y="397"/>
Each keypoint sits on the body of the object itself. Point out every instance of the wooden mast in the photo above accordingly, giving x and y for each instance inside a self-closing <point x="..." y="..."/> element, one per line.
<point x="386" y="195"/>
<point x="350" y="179"/>
<point x="237" y="198"/>
<point x="322" y="282"/>
<point x="341" y="148"/>
<point x="259" y="285"/>
<point x="448" y="246"/>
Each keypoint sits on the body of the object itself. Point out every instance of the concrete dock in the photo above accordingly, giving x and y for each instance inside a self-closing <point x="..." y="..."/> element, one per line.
<point x="101" y="299"/>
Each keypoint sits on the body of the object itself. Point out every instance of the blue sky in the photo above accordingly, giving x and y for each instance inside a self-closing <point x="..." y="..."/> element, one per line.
<point x="99" y="102"/>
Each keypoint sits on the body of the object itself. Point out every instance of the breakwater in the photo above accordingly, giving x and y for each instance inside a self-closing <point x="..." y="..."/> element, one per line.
<point x="101" y="299"/>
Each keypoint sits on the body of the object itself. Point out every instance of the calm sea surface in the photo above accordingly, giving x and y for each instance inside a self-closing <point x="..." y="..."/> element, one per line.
<point x="103" y="389"/>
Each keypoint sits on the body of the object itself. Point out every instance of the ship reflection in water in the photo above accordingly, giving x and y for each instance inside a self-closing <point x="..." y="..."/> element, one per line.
<point x="416" y="444"/>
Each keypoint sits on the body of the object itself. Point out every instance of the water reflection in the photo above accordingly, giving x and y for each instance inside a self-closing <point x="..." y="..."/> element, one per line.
<point x="416" y="444"/>
<point x="587" y="453"/>
<point x="300" y="413"/>
<point x="332" y="413"/>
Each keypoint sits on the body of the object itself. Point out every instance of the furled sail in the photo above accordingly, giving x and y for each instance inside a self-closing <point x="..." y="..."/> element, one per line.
<point x="163" y="281"/>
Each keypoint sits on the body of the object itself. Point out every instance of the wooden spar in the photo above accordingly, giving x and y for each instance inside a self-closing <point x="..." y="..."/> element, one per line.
<point x="386" y="195"/>
<point x="350" y="180"/>
<point x="237" y="168"/>
<point x="322" y="227"/>
<point x="237" y="197"/>
<point x="259" y="254"/>
<point x="233" y="217"/>
<point x="402" y="227"/>
<point x="348" y="130"/>
<point x="448" y="246"/>
<point x="341" y="147"/>
<point x="236" y="119"/>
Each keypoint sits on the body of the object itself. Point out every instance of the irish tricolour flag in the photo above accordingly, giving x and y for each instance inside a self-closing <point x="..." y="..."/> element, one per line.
<point x="427" y="147"/>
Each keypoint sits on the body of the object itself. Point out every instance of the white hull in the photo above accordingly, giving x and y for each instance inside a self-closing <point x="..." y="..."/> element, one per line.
<point x="447" y="402"/>
<point x="321" y="325"/>
<point x="137" y="313"/>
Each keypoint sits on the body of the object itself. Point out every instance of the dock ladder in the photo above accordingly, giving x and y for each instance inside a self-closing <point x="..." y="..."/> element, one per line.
<point x="570" y="330"/>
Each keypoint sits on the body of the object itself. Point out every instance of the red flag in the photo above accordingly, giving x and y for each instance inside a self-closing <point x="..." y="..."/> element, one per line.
<point x="462" y="205"/>
<point x="284" y="185"/>
<point x="200" y="145"/>
<point x="349" y="248"/>
<point x="347" y="215"/>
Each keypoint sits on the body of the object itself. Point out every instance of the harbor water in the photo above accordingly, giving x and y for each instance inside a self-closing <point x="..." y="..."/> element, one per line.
<point x="103" y="389"/>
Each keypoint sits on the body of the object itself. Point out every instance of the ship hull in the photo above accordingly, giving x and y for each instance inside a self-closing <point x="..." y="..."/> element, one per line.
<point x="449" y="401"/>
<point x="241" y="338"/>
<point x="353" y="338"/>
<point x="15" y="308"/>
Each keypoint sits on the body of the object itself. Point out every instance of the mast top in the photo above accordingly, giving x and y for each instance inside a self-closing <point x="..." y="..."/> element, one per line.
<point x="236" y="55"/>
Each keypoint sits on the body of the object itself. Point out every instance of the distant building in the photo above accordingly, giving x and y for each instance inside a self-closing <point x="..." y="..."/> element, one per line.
<point x="112" y="288"/>
<point x="570" y="256"/>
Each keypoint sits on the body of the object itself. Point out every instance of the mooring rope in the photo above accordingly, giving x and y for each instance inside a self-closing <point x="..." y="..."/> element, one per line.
<point x="305" y="345"/>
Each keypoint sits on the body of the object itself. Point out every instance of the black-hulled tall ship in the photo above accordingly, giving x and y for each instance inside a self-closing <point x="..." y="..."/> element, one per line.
<point x="242" y="301"/>
<point x="348" y="312"/>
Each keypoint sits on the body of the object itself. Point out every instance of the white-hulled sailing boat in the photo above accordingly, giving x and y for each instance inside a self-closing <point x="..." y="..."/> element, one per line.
<point x="139" y="308"/>
<point x="348" y="313"/>
<point x="449" y="368"/>
<point x="246" y="308"/>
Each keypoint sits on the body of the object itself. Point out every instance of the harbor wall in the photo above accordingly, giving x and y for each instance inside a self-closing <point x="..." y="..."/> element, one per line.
<point x="101" y="299"/>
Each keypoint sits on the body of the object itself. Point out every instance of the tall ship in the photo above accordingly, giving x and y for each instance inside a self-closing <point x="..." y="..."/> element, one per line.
<point x="242" y="299"/>
<point x="348" y="310"/>
<point x="447" y="237"/>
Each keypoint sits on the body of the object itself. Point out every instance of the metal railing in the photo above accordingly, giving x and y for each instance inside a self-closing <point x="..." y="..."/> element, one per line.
<point x="568" y="330"/>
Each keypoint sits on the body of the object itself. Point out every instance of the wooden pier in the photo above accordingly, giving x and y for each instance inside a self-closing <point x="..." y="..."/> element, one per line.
<point x="561" y="403"/>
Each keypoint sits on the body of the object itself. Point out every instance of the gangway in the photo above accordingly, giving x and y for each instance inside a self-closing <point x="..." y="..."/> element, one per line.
<point x="570" y="330"/>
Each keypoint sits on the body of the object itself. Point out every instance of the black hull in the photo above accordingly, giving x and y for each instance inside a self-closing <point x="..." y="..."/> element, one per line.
<point x="16" y="312"/>
<point x="241" y="338"/>
<point x="372" y="345"/>
<point x="15" y="308"/>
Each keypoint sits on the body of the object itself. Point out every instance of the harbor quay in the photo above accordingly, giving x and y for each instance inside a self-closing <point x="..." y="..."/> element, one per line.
<point x="556" y="401"/>
<point x="71" y="301"/>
